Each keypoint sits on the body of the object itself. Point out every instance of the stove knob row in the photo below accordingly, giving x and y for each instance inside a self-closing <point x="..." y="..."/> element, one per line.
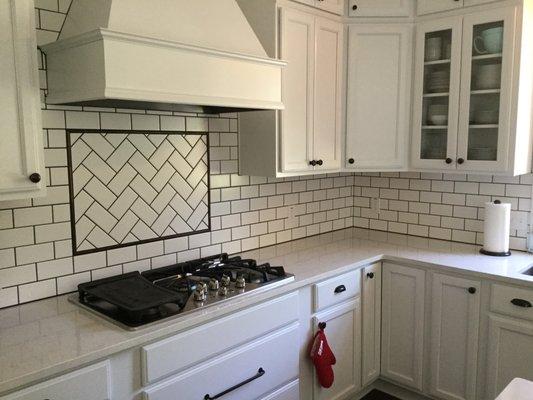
<point x="225" y="280"/>
<point x="223" y="291"/>
<point x="240" y="283"/>
<point x="213" y="285"/>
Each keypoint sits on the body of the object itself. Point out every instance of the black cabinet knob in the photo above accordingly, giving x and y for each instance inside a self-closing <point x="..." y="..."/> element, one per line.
<point x="351" y="161"/>
<point x="320" y="162"/>
<point x="312" y="162"/>
<point x="472" y="290"/>
<point x="460" y="160"/>
<point x="448" y="160"/>
<point x="35" y="177"/>
<point x="354" y="7"/>
<point x="370" y="275"/>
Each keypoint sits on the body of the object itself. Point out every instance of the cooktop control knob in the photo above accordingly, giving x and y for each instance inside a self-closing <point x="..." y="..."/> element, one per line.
<point x="223" y="291"/>
<point x="240" y="283"/>
<point x="199" y="294"/>
<point x="225" y="280"/>
<point x="213" y="285"/>
<point x="201" y="287"/>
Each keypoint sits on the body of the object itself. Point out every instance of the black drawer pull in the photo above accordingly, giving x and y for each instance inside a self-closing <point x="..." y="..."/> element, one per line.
<point x="340" y="289"/>
<point x="260" y="373"/>
<point x="521" y="303"/>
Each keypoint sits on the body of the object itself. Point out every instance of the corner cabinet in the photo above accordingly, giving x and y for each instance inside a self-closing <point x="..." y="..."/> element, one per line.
<point x="378" y="96"/>
<point x="473" y="93"/>
<point x="21" y="148"/>
<point x="305" y="137"/>
<point x="455" y="316"/>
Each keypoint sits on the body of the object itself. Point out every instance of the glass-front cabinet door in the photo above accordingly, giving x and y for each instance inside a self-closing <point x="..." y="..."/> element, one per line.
<point x="487" y="59"/>
<point x="436" y="96"/>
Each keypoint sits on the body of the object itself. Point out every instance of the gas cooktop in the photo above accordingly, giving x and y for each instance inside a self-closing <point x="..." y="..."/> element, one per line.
<point x="135" y="299"/>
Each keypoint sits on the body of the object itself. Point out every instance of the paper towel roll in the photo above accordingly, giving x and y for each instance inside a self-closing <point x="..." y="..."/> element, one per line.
<point x="496" y="228"/>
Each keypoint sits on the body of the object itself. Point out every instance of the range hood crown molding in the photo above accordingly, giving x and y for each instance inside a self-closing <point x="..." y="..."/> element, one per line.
<point x="106" y="67"/>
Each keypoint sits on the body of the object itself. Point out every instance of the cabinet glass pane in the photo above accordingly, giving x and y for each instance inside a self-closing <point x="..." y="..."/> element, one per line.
<point x="437" y="65"/>
<point x="485" y="84"/>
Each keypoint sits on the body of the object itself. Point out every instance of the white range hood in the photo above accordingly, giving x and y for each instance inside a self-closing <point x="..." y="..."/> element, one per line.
<point x="192" y="55"/>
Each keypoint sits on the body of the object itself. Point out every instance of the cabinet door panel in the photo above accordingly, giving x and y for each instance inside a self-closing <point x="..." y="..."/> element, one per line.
<point x="433" y="6"/>
<point x="379" y="8"/>
<point x="485" y="112"/>
<point x="21" y="149"/>
<point x="297" y="47"/>
<point x="455" y="317"/>
<point x="343" y="331"/>
<point x="379" y="82"/>
<point x="402" y="324"/>
<point x="510" y="353"/>
<point x="371" y="310"/>
<point x="328" y="80"/>
<point x="436" y="94"/>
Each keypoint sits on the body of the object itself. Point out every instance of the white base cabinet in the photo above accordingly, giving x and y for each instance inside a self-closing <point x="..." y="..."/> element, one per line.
<point x="455" y="315"/>
<point x="402" y="345"/>
<point x="510" y="353"/>
<point x="343" y="331"/>
<point x="371" y="323"/>
<point x="21" y="146"/>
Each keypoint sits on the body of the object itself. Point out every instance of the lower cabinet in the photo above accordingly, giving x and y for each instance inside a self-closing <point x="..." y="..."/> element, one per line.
<point x="343" y="330"/>
<point x="79" y="385"/>
<point x="249" y="372"/>
<point x="455" y="315"/>
<point x="371" y="323"/>
<point x="402" y="343"/>
<point x="510" y="353"/>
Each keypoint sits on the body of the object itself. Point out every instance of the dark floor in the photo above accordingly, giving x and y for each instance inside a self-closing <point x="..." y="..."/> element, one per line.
<point x="377" y="395"/>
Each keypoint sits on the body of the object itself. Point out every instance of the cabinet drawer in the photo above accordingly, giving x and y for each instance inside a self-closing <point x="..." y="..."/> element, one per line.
<point x="335" y="290"/>
<point x="275" y="354"/>
<point x="512" y="301"/>
<point x="178" y="352"/>
<point x="79" y="385"/>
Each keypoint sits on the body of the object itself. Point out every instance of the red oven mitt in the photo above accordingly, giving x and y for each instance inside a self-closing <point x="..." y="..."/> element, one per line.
<point x="323" y="358"/>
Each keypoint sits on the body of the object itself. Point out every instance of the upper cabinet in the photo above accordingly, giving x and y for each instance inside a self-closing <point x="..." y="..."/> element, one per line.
<point x="434" y="6"/>
<point x="380" y="8"/>
<point x="21" y="148"/>
<point x="473" y="90"/>
<point x="378" y="96"/>
<point x="305" y="137"/>
<point x="333" y="6"/>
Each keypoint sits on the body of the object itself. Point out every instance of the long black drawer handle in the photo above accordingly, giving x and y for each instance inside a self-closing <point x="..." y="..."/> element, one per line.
<point x="340" y="289"/>
<point x="260" y="373"/>
<point x="521" y="303"/>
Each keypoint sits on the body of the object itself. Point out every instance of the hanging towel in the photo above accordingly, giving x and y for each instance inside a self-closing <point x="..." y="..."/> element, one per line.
<point x="322" y="357"/>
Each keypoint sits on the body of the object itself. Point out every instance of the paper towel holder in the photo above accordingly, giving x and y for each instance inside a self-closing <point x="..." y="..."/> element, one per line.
<point x="492" y="253"/>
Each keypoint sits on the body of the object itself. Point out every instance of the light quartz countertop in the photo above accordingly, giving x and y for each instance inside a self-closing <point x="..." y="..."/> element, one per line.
<point x="49" y="337"/>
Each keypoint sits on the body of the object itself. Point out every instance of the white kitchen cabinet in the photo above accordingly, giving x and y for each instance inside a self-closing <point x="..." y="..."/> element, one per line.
<point x="343" y="330"/>
<point x="455" y="315"/>
<point x="510" y="353"/>
<point x="298" y="48"/>
<point x="305" y="137"/>
<point x="21" y="147"/>
<point x="380" y="8"/>
<point x="434" y="6"/>
<point x="79" y="385"/>
<point x="402" y="327"/>
<point x="473" y="93"/>
<point x="255" y="365"/>
<point x="378" y="96"/>
<point x="371" y="323"/>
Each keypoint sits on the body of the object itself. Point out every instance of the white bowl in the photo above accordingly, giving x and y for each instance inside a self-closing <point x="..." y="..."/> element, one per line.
<point x="438" y="119"/>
